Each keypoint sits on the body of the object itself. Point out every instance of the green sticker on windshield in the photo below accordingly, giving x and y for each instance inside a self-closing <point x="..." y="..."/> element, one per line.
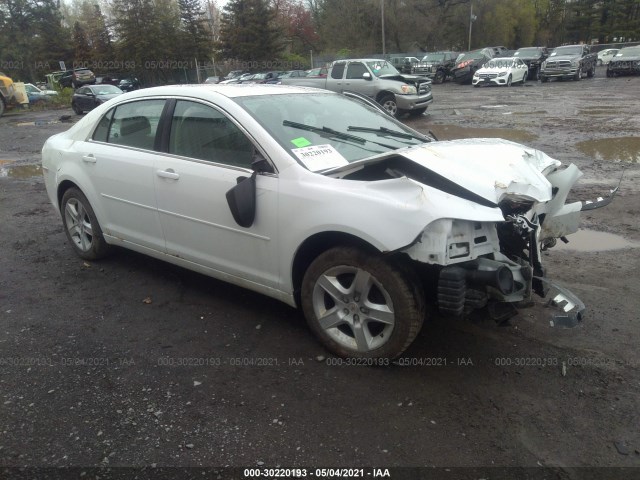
<point x="301" y="142"/>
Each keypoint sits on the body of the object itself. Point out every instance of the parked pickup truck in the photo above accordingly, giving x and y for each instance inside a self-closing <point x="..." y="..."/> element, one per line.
<point x="569" y="61"/>
<point x="378" y="79"/>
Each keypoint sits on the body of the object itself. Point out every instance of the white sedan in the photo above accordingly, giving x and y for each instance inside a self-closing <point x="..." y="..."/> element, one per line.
<point x="605" y="56"/>
<point x="321" y="201"/>
<point x="501" y="71"/>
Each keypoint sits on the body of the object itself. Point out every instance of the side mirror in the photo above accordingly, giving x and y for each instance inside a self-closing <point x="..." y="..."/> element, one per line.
<point x="366" y="76"/>
<point x="242" y="200"/>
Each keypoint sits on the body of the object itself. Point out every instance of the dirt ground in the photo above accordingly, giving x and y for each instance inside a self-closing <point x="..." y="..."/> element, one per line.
<point x="131" y="362"/>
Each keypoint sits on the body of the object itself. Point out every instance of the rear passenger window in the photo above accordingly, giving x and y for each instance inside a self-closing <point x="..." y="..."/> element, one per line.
<point x="199" y="131"/>
<point x="337" y="70"/>
<point x="102" y="130"/>
<point x="134" y="124"/>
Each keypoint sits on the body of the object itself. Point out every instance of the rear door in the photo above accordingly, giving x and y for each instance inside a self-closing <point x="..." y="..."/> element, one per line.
<point x="118" y="163"/>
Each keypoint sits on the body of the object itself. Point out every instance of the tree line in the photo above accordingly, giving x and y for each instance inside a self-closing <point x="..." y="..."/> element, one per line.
<point x="159" y="39"/>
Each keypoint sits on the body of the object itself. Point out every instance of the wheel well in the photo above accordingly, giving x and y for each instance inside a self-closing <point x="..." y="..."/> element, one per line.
<point x="63" y="187"/>
<point x="383" y="94"/>
<point x="317" y="244"/>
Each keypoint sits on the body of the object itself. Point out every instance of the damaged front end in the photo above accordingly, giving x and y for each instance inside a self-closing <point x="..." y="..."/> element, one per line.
<point x="498" y="265"/>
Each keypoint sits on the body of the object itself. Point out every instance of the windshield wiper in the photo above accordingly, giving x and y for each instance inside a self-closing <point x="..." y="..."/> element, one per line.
<point x="333" y="133"/>
<point x="389" y="132"/>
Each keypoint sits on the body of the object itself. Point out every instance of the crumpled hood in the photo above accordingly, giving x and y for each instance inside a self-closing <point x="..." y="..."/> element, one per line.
<point x="411" y="79"/>
<point x="489" y="167"/>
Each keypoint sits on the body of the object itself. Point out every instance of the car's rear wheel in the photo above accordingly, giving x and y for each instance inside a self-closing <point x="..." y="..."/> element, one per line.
<point x="439" y="78"/>
<point x="388" y="102"/>
<point x="76" y="108"/>
<point x="361" y="305"/>
<point x="1" y="106"/>
<point x="544" y="79"/>
<point x="81" y="226"/>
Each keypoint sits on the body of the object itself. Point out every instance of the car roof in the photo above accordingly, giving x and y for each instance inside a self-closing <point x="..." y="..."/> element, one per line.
<point x="229" y="90"/>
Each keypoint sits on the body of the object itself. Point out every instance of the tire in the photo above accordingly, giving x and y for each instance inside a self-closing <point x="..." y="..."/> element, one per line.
<point x="388" y="102"/>
<point x="509" y="81"/>
<point x="578" y="75"/>
<point x="333" y="306"/>
<point x="544" y="79"/>
<point x="592" y="72"/>
<point x="417" y="112"/>
<point x="2" y="107"/>
<point x="81" y="226"/>
<point x="439" y="78"/>
<point x="76" y="108"/>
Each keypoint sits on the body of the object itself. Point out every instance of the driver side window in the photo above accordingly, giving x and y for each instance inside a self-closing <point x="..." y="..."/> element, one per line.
<point x="356" y="70"/>
<point x="202" y="132"/>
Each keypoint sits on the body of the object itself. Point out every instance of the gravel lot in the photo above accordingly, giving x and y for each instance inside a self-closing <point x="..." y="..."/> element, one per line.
<point x="133" y="362"/>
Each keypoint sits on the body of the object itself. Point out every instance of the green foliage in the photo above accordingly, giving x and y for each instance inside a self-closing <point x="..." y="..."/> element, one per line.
<point x="300" y="61"/>
<point x="249" y="32"/>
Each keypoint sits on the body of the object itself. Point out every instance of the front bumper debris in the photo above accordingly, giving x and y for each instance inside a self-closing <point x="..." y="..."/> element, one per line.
<point x="567" y="308"/>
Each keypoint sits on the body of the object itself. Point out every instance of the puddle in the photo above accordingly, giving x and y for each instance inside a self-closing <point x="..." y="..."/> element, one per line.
<point x="620" y="149"/>
<point x="597" y="111"/>
<point x="21" y="171"/>
<point x="453" y="132"/>
<point x="592" y="241"/>
<point x="37" y="123"/>
<point x="535" y="112"/>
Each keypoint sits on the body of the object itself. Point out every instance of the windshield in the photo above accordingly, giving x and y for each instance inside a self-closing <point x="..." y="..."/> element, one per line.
<point x="470" y="56"/>
<point x="297" y="120"/>
<point x="433" y="57"/>
<point x="629" y="52"/>
<point x="382" y="67"/>
<point x="567" y="51"/>
<point x="106" y="90"/>
<point x="525" y="52"/>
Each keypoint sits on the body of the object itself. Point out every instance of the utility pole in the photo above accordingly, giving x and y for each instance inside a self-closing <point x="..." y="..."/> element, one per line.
<point x="382" y="15"/>
<point x="472" y="17"/>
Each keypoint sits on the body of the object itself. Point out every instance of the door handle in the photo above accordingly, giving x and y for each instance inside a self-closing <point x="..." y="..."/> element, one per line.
<point x="89" y="159"/>
<point x="169" y="173"/>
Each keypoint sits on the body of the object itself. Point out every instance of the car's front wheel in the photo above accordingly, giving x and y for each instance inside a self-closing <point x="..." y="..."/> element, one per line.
<point x="361" y="305"/>
<point x="81" y="226"/>
<point x="509" y="80"/>
<point x="578" y="74"/>
<point x="388" y="102"/>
